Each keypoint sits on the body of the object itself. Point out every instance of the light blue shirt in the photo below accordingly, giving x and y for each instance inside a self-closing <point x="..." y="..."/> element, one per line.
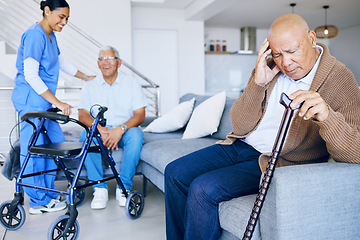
<point x="36" y="44"/>
<point x="121" y="98"/>
<point x="263" y="138"/>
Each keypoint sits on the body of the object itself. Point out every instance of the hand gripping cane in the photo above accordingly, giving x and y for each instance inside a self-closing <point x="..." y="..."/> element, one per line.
<point x="279" y="142"/>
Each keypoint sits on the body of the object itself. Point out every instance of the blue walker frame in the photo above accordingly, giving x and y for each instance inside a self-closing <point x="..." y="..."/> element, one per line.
<point x="12" y="214"/>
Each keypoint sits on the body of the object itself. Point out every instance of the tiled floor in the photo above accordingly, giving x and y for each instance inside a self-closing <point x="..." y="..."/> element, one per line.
<point x="109" y="223"/>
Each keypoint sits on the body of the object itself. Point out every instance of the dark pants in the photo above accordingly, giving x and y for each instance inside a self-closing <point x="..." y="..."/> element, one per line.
<point x="195" y="185"/>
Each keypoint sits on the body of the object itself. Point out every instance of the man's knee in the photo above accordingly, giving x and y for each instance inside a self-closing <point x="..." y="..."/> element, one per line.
<point x="134" y="136"/>
<point x="173" y="171"/>
<point x="202" y="189"/>
<point x="169" y="169"/>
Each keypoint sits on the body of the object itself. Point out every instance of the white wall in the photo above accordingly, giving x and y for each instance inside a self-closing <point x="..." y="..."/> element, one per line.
<point x="112" y="23"/>
<point x="190" y="47"/>
<point x="345" y="47"/>
<point x="163" y="44"/>
<point x="107" y="21"/>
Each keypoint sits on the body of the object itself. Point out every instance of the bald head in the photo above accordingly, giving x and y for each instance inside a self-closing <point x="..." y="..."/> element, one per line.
<point x="293" y="46"/>
<point x="290" y="24"/>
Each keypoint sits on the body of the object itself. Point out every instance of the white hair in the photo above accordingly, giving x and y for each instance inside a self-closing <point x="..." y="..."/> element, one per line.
<point x="107" y="48"/>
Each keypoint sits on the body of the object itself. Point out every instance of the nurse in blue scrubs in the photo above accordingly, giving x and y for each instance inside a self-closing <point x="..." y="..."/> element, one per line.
<point x="38" y="64"/>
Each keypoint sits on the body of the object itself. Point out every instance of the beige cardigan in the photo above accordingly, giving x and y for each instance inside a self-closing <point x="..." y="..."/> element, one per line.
<point x="308" y="141"/>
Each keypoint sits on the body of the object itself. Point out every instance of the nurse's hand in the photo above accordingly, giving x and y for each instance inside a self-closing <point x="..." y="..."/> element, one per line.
<point x="83" y="76"/>
<point x="65" y="108"/>
<point x="50" y="97"/>
<point x="87" y="78"/>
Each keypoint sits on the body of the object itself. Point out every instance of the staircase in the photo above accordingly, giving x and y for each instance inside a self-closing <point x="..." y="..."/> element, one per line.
<point x="79" y="48"/>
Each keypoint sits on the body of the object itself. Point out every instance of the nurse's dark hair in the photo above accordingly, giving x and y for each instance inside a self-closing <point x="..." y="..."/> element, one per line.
<point x="53" y="4"/>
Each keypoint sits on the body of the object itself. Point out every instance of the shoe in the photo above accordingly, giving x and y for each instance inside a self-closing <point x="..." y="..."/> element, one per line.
<point x="120" y="197"/>
<point x="53" y="206"/>
<point x="100" y="198"/>
<point x="60" y="198"/>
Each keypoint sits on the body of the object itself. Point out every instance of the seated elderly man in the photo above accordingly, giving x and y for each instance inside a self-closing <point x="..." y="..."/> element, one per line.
<point x="126" y="102"/>
<point x="327" y="123"/>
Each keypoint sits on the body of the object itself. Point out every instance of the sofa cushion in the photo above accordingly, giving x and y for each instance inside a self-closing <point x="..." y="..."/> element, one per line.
<point x="225" y="124"/>
<point x="151" y="137"/>
<point x="234" y="216"/>
<point x="313" y="201"/>
<point x="159" y="153"/>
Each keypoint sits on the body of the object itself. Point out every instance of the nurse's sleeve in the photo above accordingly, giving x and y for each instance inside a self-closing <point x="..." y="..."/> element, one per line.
<point x="34" y="44"/>
<point x="31" y="73"/>
<point x="66" y="66"/>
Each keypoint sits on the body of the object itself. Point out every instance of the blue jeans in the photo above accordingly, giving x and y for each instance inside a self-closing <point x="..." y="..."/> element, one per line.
<point x="195" y="185"/>
<point x="132" y="142"/>
<point x="39" y="163"/>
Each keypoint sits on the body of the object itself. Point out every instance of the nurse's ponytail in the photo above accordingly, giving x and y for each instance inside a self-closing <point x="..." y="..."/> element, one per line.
<point x="53" y="4"/>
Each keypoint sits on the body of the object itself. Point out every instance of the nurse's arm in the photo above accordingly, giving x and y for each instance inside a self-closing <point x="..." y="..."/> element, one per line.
<point x="83" y="76"/>
<point x="50" y="97"/>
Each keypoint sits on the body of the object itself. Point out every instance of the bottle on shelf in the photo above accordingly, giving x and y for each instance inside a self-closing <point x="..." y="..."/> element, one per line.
<point x="224" y="45"/>
<point x="212" y="47"/>
<point x="218" y="46"/>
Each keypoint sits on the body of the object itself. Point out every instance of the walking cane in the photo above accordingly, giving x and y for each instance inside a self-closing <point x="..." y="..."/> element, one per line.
<point x="279" y="142"/>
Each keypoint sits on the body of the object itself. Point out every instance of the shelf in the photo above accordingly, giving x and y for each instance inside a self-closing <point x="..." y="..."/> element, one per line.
<point x="215" y="52"/>
<point x="240" y="52"/>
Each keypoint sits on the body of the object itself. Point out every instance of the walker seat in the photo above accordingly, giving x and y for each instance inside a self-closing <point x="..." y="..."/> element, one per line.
<point x="63" y="149"/>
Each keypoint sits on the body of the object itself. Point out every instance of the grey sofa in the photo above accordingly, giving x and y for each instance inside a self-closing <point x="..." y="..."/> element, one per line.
<point x="316" y="201"/>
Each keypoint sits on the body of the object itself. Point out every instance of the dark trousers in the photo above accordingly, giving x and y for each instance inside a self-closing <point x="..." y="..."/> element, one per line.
<point x="196" y="183"/>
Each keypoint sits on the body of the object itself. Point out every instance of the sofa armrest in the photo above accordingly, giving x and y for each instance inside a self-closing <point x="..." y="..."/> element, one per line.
<point x="314" y="201"/>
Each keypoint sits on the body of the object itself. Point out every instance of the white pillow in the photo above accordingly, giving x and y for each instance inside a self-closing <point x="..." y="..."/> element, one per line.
<point x="206" y="117"/>
<point x="175" y="119"/>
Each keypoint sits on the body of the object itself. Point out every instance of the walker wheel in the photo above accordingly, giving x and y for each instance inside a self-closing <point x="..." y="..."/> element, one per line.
<point x="134" y="205"/>
<point x="57" y="229"/>
<point x="12" y="220"/>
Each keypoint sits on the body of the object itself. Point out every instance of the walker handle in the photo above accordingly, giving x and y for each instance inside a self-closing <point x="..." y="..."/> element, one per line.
<point x="45" y="114"/>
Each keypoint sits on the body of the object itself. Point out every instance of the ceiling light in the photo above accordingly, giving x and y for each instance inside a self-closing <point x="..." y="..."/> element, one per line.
<point x="326" y="31"/>
<point x="293" y="7"/>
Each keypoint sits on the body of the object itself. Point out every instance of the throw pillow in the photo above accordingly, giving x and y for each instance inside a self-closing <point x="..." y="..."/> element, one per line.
<point x="175" y="119"/>
<point x="206" y="117"/>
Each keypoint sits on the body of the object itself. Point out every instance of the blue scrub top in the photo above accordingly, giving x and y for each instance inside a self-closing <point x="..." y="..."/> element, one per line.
<point x="36" y="44"/>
